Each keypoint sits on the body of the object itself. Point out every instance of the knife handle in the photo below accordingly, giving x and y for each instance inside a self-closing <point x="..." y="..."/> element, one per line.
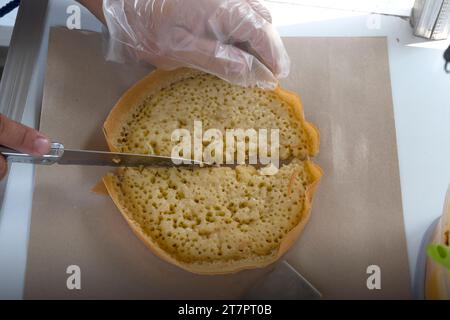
<point x="55" y="154"/>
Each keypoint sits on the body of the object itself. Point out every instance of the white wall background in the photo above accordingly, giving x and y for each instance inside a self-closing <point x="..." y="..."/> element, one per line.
<point x="394" y="7"/>
<point x="398" y="7"/>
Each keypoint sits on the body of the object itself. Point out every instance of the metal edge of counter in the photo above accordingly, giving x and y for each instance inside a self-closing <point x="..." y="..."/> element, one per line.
<point x="22" y="57"/>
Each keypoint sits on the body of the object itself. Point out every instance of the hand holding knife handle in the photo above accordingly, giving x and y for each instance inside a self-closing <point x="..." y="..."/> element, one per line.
<point x="56" y="152"/>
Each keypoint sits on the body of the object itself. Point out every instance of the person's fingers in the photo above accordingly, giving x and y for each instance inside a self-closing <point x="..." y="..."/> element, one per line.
<point x="247" y="29"/>
<point x="260" y="9"/>
<point x="3" y="167"/>
<point x="22" y="138"/>
<point x="225" y="61"/>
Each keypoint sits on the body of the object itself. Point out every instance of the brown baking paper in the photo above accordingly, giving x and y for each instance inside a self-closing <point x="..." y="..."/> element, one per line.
<point x="357" y="218"/>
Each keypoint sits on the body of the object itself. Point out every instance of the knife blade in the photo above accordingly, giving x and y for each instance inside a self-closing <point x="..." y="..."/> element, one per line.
<point x="59" y="155"/>
<point x="283" y="283"/>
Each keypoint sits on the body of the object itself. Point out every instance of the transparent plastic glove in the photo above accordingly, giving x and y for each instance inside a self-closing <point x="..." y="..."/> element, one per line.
<point x="233" y="39"/>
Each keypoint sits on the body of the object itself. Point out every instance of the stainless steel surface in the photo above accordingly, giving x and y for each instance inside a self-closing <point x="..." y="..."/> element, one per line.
<point x="3" y="55"/>
<point x="283" y="283"/>
<point x="22" y="58"/>
<point x="5" y="35"/>
<point x="431" y="19"/>
<point x="21" y="61"/>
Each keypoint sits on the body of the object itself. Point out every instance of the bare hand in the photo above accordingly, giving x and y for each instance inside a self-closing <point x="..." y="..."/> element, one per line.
<point x="21" y="138"/>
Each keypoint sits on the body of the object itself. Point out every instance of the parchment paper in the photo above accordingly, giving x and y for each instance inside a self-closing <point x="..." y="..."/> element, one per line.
<point x="357" y="218"/>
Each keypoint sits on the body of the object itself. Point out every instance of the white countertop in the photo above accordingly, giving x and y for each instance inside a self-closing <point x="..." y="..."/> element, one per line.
<point x="421" y="95"/>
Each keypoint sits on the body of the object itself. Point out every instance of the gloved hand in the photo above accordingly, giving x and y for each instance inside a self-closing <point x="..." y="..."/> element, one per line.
<point x="233" y="39"/>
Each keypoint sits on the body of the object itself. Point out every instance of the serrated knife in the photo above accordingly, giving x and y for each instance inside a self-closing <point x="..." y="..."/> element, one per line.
<point x="59" y="155"/>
